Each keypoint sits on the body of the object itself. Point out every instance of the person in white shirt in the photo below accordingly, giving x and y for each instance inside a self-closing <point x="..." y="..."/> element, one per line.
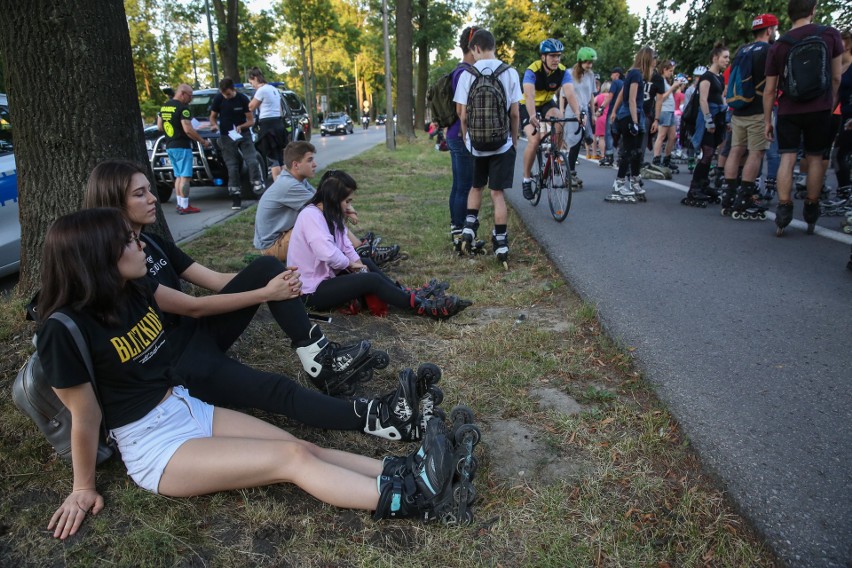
<point x="272" y="137"/>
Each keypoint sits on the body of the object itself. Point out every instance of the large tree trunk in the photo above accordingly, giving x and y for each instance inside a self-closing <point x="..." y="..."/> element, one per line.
<point x="404" y="70"/>
<point x="227" y="19"/>
<point x="73" y="100"/>
<point x="422" y="64"/>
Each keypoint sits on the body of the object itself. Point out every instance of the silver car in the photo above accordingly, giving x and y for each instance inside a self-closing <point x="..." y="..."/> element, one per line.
<point x="10" y="226"/>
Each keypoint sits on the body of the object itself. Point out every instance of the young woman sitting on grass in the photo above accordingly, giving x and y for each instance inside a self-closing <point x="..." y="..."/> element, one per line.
<point x="93" y="270"/>
<point x="332" y="272"/>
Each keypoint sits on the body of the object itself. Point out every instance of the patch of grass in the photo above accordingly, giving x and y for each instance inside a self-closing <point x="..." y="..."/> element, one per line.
<point x="636" y="496"/>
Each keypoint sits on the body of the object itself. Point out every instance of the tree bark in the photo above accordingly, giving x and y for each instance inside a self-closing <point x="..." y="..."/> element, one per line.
<point x="228" y="20"/>
<point x="72" y="95"/>
<point x="422" y="64"/>
<point x="404" y="70"/>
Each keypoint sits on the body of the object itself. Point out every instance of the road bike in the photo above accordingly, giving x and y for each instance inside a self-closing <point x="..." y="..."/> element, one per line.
<point x="550" y="170"/>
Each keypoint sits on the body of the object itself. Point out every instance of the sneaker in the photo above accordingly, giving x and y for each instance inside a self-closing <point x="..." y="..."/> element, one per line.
<point x="236" y="203"/>
<point x="188" y="210"/>
<point x="527" y="190"/>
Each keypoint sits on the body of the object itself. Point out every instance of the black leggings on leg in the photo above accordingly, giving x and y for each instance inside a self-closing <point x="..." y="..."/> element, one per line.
<point x="344" y="288"/>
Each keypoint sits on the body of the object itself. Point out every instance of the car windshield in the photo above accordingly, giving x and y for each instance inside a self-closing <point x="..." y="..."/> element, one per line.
<point x="336" y="118"/>
<point x="5" y="130"/>
<point x="293" y="102"/>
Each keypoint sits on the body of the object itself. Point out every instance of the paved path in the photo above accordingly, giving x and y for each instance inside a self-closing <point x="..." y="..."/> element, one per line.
<point x="744" y="335"/>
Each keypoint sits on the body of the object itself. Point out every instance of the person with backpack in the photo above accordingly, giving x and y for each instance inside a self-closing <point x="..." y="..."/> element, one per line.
<point x="488" y="95"/>
<point x="745" y="98"/>
<point x="805" y="65"/>
<point x="94" y="273"/>
<point x="710" y="125"/>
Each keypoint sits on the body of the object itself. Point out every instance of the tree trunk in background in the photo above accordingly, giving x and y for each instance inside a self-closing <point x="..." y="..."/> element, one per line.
<point x="227" y="19"/>
<point x="404" y="71"/>
<point x="422" y="65"/>
<point x="72" y="96"/>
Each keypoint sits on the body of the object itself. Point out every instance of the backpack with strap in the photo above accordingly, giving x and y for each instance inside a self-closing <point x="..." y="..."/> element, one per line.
<point x="439" y="98"/>
<point x="487" y="110"/>
<point x="33" y="395"/>
<point x="741" y="87"/>
<point x="689" y="116"/>
<point x="807" y="70"/>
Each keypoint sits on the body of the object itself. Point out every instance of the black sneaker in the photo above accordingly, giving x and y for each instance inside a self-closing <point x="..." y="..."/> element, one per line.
<point x="236" y="203"/>
<point x="527" y="190"/>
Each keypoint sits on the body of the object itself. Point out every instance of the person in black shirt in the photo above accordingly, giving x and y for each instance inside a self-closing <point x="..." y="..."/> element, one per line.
<point x="232" y="110"/>
<point x="201" y="329"/>
<point x="747" y="131"/>
<point x="93" y="270"/>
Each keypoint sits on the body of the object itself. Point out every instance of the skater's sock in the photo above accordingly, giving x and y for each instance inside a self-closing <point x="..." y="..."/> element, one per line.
<point x="526" y="179"/>
<point x="472" y="215"/>
<point x="500" y="229"/>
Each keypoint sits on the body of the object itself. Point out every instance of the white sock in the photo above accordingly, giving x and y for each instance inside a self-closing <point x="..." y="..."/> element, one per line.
<point x="527" y="179"/>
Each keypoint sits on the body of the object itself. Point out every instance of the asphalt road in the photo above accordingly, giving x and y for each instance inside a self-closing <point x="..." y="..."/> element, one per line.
<point x="744" y="335"/>
<point x="215" y="204"/>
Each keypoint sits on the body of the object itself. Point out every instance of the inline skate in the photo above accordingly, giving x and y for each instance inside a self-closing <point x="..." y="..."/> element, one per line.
<point x="729" y="197"/>
<point x="810" y="213"/>
<point x="783" y="217"/>
<point x="438" y="307"/>
<point x="637" y="187"/>
<point x="621" y="193"/>
<point x="381" y="255"/>
<point x="770" y="188"/>
<point x="695" y="197"/>
<point x="840" y="205"/>
<point x="607" y="161"/>
<point x="500" y="244"/>
<point x="432" y="289"/>
<point x="670" y="165"/>
<point x="745" y="205"/>
<point x="470" y="245"/>
<point x="576" y="182"/>
<point x="334" y="369"/>
<point x="846" y="224"/>
<point x="402" y="414"/>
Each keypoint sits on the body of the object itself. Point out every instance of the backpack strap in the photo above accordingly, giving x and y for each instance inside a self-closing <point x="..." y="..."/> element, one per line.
<point x="500" y="68"/>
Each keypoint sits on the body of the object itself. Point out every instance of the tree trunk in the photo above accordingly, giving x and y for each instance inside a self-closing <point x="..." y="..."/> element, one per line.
<point x="72" y="95"/>
<point x="422" y="64"/>
<point x="227" y="20"/>
<point x="404" y="70"/>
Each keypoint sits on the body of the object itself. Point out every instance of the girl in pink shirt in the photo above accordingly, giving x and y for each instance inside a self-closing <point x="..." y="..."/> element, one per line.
<point x="333" y="274"/>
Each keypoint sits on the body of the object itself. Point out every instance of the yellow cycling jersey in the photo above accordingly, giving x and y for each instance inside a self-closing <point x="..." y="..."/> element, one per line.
<point x="546" y="84"/>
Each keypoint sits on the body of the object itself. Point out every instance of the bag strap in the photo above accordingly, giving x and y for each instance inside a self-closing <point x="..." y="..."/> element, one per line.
<point x="83" y="347"/>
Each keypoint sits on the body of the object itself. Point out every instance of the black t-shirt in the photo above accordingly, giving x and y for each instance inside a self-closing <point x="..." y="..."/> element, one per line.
<point x="232" y="112"/>
<point x="654" y="87"/>
<point x="717" y="83"/>
<point x="131" y="360"/>
<point x="165" y="268"/>
<point x="634" y="76"/>
<point x="759" y="50"/>
<point x="172" y="113"/>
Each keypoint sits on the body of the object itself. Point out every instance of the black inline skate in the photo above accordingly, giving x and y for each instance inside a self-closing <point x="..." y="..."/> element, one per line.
<point x="470" y="245"/>
<point x="381" y="255"/>
<point x="606" y="162"/>
<point x="783" y="217"/>
<point x="810" y="213"/>
<point x="695" y="197"/>
<point x="745" y="205"/>
<point x="729" y="196"/>
<point x="671" y="165"/>
<point x="839" y="205"/>
<point x="432" y="289"/>
<point x="402" y="414"/>
<point x="770" y="188"/>
<point x="456" y="236"/>
<point x="500" y="244"/>
<point x="335" y="369"/>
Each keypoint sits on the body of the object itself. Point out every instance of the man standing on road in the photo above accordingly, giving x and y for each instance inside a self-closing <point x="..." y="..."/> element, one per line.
<point x="747" y="120"/>
<point x="175" y="121"/>
<point x="803" y="117"/>
<point x="232" y="109"/>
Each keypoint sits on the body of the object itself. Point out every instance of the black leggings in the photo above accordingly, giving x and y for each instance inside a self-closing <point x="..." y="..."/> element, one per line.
<point x="630" y="154"/>
<point x="210" y="375"/>
<point x="344" y="288"/>
<point x="573" y="154"/>
<point x="844" y="153"/>
<point x="709" y="142"/>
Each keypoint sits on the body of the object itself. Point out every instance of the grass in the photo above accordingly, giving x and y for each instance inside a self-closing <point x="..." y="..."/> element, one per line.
<point x="613" y="485"/>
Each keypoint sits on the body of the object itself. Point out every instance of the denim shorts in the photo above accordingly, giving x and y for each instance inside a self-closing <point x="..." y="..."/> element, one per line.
<point x="667" y="118"/>
<point x="148" y="444"/>
<point x="181" y="159"/>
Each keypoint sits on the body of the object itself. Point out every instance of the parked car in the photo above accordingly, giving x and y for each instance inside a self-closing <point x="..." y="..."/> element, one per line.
<point x="10" y="225"/>
<point x="208" y="167"/>
<point x="337" y="123"/>
<point x="381" y="119"/>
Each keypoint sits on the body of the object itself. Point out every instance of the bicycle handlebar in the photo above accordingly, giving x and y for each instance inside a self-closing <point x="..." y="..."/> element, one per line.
<point x="554" y="120"/>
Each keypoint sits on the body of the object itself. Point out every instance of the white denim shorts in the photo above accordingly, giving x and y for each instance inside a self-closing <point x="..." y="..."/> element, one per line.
<point x="148" y="444"/>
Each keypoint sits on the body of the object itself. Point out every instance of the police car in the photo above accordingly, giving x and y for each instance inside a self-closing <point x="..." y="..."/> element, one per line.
<point x="10" y="226"/>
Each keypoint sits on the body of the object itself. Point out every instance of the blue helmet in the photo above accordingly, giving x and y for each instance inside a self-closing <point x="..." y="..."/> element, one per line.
<point x="550" y="45"/>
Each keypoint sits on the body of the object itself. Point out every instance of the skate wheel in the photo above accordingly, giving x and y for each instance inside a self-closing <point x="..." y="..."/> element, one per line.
<point x="382" y="360"/>
<point x="762" y="216"/>
<point x="437" y="395"/>
<point x="461" y="415"/>
<point x="703" y="205"/>
<point x="736" y="215"/>
<point x="429" y="372"/>
<point x="464" y="493"/>
<point x="467" y="433"/>
<point x="467" y="468"/>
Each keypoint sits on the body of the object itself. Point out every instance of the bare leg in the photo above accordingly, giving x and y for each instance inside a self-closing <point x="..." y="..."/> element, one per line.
<point x="785" y="176"/>
<point x="752" y="166"/>
<point x="474" y="198"/>
<point x="732" y="165"/>
<point x="529" y="152"/>
<point x="816" y="175"/>
<point x="501" y="215"/>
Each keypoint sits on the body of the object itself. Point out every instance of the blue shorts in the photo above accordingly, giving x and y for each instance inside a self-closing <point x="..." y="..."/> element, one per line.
<point x="181" y="159"/>
<point x="148" y="444"/>
<point x="667" y="118"/>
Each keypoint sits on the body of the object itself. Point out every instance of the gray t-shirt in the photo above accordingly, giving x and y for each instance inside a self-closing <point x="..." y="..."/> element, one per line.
<point x="278" y="208"/>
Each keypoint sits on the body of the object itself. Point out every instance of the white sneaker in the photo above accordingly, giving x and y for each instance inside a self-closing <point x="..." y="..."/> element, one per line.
<point x="621" y="188"/>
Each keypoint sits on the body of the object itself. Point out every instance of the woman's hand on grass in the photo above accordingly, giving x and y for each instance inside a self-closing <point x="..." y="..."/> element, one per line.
<point x="68" y="517"/>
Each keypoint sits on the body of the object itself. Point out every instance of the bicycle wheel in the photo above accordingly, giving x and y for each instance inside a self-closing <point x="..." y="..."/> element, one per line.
<point x="537" y="178"/>
<point x="559" y="190"/>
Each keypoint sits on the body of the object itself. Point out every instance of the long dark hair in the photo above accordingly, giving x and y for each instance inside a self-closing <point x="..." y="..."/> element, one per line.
<point x="79" y="267"/>
<point x="108" y="183"/>
<point x="334" y="187"/>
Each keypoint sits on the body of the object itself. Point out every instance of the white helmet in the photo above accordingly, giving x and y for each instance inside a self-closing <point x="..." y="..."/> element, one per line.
<point x="700" y="70"/>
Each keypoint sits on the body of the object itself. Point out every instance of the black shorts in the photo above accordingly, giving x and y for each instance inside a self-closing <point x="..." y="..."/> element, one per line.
<point x="812" y="127"/>
<point x="540" y="110"/>
<point x="271" y="140"/>
<point x="713" y="139"/>
<point x="497" y="171"/>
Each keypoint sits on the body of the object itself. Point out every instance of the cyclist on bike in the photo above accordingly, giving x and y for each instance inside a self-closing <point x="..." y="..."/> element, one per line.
<point x="542" y="80"/>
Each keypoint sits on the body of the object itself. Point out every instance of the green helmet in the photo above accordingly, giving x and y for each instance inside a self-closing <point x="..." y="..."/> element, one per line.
<point x="587" y="54"/>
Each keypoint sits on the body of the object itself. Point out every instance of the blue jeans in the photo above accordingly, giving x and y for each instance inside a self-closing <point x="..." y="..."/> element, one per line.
<point x="773" y="158"/>
<point x="610" y="150"/>
<point x="462" y="164"/>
